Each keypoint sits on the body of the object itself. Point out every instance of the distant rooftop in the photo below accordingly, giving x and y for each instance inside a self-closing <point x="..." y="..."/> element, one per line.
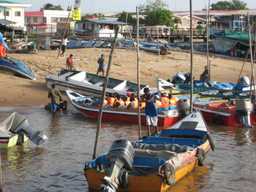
<point x="107" y="21"/>
<point x="251" y="12"/>
<point x="13" y="3"/>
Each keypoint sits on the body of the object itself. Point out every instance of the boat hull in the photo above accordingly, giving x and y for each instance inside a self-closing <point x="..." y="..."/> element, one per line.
<point x="227" y="117"/>
<point x="10" y="142"/>
<point x="16" y="67"/>
<point x="148" y="183"/>
<point x="127" y="118"/>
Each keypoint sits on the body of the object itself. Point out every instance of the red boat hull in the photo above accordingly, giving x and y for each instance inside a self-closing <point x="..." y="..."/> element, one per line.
<point x="124" y="118"/>
<point x="232" y="120"/>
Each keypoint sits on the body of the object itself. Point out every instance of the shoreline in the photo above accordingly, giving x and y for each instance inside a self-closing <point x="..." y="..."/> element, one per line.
<point x="16" y="91"/>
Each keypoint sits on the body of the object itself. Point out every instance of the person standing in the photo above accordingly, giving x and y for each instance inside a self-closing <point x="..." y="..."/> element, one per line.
<point x="150" y="111"/>
<point x="69" y="63"/>
<point x="101" y="66"/>
<point x="55" y="97"/>
<point x="64" y="44"/>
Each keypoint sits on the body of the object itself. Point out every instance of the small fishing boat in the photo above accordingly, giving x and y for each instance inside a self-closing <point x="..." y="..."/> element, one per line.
<point x="89" y="83"/>
<point x="15" y="130"/>
<point x="86" y="106"/>
<point x="153" y="163"/>
<point x="235" y="113"/>
<point x="16" y="67"/>
<point x="154" y="48"/>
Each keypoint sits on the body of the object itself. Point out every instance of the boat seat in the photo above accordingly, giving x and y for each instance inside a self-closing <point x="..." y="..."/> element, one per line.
<point x="162" y="147"/>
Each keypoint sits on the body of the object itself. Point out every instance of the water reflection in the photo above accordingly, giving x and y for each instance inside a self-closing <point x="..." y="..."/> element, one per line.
<point x="58" y="165"/>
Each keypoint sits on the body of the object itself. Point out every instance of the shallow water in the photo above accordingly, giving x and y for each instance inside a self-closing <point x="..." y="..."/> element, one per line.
<point x="58" y="164"/>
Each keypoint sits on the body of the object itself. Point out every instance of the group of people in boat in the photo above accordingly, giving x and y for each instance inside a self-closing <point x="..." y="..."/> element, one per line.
<point x="130" y="102"/>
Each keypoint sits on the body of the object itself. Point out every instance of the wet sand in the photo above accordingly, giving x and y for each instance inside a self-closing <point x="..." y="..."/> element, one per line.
<point x="16" y="91"/>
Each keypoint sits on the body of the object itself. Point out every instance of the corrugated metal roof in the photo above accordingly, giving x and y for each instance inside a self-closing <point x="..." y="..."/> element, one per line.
<point x="218" y="12"/>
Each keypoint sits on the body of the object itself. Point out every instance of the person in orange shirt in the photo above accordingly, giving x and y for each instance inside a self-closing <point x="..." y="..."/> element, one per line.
<point x="69" y="63"/>
<point x="3" y="46"/>
<point x="2" y="51"/>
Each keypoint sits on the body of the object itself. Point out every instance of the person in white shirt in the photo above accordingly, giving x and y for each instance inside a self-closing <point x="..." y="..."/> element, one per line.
<point x="64" y="44"/>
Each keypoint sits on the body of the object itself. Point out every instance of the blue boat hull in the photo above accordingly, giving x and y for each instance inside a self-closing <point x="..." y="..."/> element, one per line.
<point x="16" y="67"/>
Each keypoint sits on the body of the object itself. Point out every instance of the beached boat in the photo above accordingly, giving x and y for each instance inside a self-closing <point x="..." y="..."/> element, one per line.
<point x="153" y="163"/>
<point x="238" y="113"/>
<point x="16" y="67"/>
<point x="154" y="48"/>
<point x="85" y="106"/>
<point x="89" y="83"/>
<point x="15" y="130"/>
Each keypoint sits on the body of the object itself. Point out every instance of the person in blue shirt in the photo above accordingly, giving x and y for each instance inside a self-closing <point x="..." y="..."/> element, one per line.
<point x="150" y="111"/>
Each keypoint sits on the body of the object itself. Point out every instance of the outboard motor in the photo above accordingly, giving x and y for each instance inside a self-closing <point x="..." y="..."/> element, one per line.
<point x="244" y="109"/>
<point x="121" y="156"/>
<point x="18" y="124"/>
<point x="179" y="78"/>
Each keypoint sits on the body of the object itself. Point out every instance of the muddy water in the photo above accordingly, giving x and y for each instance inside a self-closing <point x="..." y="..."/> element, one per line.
<point x="58" y="164"/>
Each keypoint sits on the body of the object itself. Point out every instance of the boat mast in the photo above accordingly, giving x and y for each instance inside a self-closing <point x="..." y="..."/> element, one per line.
<point x="104" y="92"/>
<point x="138" y="70"/>
<point x="207" y="39"/>
<point x="252" y="86"/>
<point x="191" y="57"/>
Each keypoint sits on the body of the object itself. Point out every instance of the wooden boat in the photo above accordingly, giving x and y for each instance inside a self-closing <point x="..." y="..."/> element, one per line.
<point x="84" y="106"/>
<point x="15" y="130"/>
<point x="89" y="83"/>
<point x="236" y="114"/>
<point x="153" y="163"/>
<point x="16" y="67"/>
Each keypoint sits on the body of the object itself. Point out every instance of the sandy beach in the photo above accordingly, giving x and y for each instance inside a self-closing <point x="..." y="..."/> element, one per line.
<point x="16" y="91"/>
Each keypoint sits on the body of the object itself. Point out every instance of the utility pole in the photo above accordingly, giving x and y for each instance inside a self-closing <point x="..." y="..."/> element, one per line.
<point x="138" y="70"/>
<point x="191" y="56"/>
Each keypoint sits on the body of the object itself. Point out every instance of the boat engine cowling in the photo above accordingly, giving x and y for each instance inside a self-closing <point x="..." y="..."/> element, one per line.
<point x="19" y="125"/>
<point x="120" y="155"/>
<point x="244" y="109"/>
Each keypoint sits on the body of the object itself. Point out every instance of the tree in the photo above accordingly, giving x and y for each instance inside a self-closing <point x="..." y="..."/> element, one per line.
<point x="157" y="13"/>
<point x="229" y="5"/>
<point x="49" y="6"/>
<point x="155" y="4"/>
<point x="159" y="16"/>
<point x="127" y="17"/>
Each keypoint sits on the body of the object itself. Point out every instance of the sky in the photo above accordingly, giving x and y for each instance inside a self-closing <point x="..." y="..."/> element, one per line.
<point x="89" y="6"/>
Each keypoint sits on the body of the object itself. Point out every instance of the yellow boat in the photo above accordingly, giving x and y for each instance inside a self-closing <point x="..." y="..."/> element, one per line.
<point x="12" y="140"/>
<point x="153" y="163"/>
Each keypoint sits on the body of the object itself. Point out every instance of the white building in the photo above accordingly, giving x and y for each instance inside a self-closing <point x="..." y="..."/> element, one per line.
<point x="45" y="21"/>
<point x="11" y="10"/>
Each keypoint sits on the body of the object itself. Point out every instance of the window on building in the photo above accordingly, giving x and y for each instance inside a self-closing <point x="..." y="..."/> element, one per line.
<point x="17" y="13"/>
<point x="7" y="13"/>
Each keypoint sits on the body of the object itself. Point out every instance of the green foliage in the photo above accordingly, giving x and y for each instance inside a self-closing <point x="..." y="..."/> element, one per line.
<point x="154" y="4"/>
<point x="124" y="16"/>
<point x="159" y="16"/>
<point x="157" y="13"/>
<point x="229" y="5"/>
<point x="49" y="6"/>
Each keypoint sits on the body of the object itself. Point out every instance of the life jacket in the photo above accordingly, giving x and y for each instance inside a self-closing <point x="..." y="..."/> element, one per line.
<point x="111" y="101"/>
<point x="164" y="104"/>
<point x="2" y="51"/>
<point x="173" y="103"/>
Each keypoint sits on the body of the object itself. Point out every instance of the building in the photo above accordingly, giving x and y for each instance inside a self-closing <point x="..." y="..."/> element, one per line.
<point x="235" y="20"/>
<point x="98" y="28"/>
<point x="12" y="13"/>
<point x="45" y="21"/>
<point x="184" y="22"/>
